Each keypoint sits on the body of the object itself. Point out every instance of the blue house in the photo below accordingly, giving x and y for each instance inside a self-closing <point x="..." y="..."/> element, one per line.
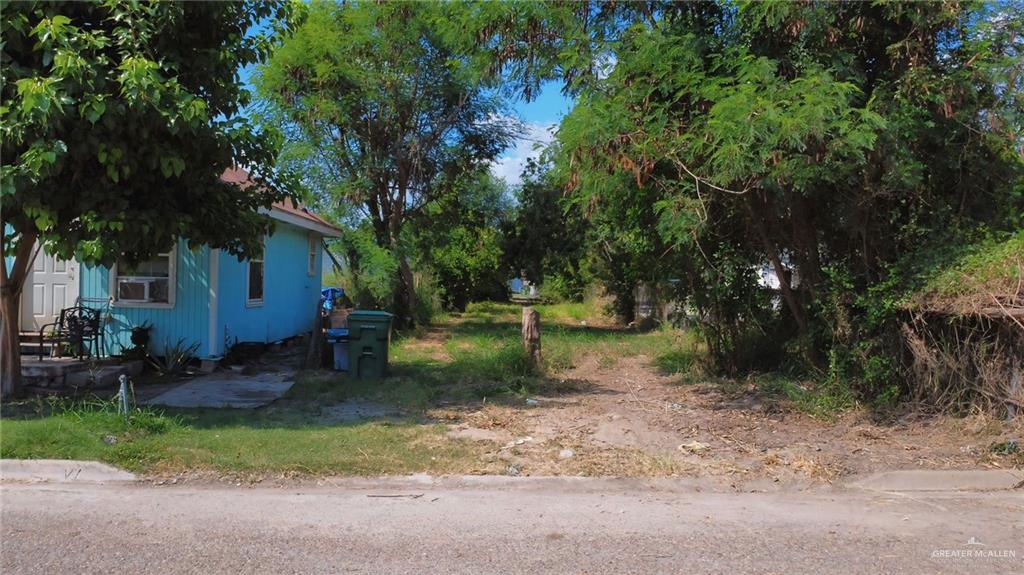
<point x="200" y="296"/>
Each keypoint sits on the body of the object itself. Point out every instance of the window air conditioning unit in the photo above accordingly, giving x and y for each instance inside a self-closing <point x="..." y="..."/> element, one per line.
<point x="131" y="289"/>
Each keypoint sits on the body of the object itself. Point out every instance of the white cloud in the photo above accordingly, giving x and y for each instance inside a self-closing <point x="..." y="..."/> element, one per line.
<point x="604" y="65"/>
<point x="530" y="145"/>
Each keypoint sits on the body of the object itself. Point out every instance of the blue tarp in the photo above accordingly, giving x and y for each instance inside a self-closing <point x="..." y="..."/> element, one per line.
<point x="329" y="295"/>
<point x="337" y="334"/>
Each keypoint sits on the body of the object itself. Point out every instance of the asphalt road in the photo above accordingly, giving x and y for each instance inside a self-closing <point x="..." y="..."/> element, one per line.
<point x="501" y="526"/>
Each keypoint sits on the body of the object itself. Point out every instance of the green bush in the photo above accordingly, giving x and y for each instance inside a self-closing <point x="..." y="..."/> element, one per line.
<point x="428" y="298"/>
<point x="370" y="276"/>
<point x="563" y="287"/>
<point x="675" y="361"/>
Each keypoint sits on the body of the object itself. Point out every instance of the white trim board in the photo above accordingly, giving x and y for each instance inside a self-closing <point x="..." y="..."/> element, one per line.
<point x="301" y="222"/>
<point x="214" y="280"/>
<point x="263" y="279"/>
<point x="172" y="285"/>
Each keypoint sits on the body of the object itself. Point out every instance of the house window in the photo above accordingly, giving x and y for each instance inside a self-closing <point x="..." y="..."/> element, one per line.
<point x="148" y="283"/>
<point x="311" y="263"/>
<point x="255" y="288"/>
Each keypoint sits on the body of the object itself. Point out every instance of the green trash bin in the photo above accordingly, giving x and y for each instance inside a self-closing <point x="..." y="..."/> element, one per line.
<point x="369" y="336"/>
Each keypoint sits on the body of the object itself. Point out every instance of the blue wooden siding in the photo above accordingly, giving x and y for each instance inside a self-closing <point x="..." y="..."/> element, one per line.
<point x="290" y="294"/>
<point x="289" y="300"/>
<point x="188" y="320"/>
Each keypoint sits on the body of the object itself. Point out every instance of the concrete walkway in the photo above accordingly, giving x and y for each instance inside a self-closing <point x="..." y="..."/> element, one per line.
<point x="227" y="389"/>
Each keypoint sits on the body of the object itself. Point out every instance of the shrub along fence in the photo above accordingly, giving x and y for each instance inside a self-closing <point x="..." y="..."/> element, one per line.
<point x="964" y="333"/>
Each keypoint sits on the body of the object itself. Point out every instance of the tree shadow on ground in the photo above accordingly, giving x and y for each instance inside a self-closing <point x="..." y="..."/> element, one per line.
<point x="498" y="374"/>
<point x="318" y="411"/>
<point x="488" y="364"/>
<point x="777" y="396"/>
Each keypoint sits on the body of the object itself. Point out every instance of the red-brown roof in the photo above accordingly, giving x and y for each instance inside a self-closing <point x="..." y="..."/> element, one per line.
<point x="291" y="207"/>
<point x="236" y="175"/>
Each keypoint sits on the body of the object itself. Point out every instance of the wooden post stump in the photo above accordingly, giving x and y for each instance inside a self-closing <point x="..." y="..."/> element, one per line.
<point x="531" y="335"/>
<point x="314" y="354"/>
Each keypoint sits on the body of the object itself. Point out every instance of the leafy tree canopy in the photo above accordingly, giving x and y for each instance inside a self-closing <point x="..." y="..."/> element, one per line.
<point x="383" y="114"/>
<point x="824" y="140"/>
<point x="118" y="119"/>
<point x="459" y="237"/>
<point x="548" y="238"/>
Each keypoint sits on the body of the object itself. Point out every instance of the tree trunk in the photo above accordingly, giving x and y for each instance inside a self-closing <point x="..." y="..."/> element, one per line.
<point x="11" y="283"/>
<point x="806" y="237"/>
<point x="10" y="352"/>
<point x="780" y="271"/>
<point x="405" y="299"/>
<point x="758" y="214"/>
<point x="531" y="336"/>
<point x="407" y="289"/>
<point x="314" y="354"/>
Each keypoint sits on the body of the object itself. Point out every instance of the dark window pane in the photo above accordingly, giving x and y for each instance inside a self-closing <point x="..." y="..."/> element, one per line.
<point x="255" y="280"/>
<point x="159" y="267"/>
<point x="159" y="290"/>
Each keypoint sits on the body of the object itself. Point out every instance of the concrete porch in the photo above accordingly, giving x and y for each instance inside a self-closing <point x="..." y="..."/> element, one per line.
<point x="54" y="375"/>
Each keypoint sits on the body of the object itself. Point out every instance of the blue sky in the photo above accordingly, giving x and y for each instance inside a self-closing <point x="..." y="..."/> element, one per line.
<point x="540" y="117"/>
<point x="548" y="107"/>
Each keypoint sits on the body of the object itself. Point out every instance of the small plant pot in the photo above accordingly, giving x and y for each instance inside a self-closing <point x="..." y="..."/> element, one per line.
<point x="140" y="336"/>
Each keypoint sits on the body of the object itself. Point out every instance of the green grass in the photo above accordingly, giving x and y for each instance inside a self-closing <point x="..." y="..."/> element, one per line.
<point x="288" y="441"/>
<point x="481" y="354"/>
<point x="484" y="344"/>
<point x="677" y="360"/>
<point x="566" y="313"/>
<point x="317" y="388"/>
<point x="823" y="400"/>
<point x="59" y="430"/>
<point x="572" y="312"/>
<point x="476" y="355"/>
<point x="485" y="353"/>
<point x="371" y="448"/>
<point x="992" y="265"/>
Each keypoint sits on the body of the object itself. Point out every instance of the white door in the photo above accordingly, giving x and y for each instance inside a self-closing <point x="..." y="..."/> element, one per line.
<point x="51" y="286"/>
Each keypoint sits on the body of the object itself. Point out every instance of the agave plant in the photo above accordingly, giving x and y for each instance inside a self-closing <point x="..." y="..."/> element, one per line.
<point x="175" y="359"/>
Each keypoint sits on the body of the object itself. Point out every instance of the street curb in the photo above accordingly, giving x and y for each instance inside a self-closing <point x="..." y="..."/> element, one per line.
<point x="915" y="480"/>
<point x="61" y="471"/>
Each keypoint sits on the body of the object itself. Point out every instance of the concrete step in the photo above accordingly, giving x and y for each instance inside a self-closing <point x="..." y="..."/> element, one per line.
<point x="28" y="342"/>
<point x="106" y="377"/>
<point x="47" y="391"/>
<point x="33" y="349"/>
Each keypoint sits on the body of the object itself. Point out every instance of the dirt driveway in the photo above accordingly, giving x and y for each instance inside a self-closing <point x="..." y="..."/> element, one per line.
<point x="628" y="419"/>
